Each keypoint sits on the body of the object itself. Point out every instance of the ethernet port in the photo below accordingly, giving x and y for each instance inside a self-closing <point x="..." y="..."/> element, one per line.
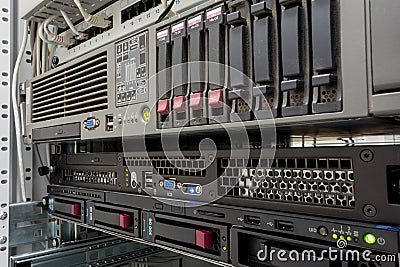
<point x="148" y="4"/>
<point x="128" y="13"/>
<point x="125" y="15"/>
<point x="111" y="25"/>
<point x="140" y="7"/>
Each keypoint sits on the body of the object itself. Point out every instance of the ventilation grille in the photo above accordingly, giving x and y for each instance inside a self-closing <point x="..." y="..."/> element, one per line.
<point x="90" y="177"/>
<point x="322" y="182"/>
<point x="174" y="166"/>
<point x="78" y="89"/>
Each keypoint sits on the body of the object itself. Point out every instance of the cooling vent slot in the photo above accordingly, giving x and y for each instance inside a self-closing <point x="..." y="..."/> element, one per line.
<point x="78" y="89"/>
<point x="309" y="181"/>
<point x="192" y="166"/>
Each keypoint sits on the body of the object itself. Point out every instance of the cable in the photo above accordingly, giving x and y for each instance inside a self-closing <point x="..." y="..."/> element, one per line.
<point x="37" y="54"/>
<point x="164" y="3"/>
<point x="165" y="12"/>
<point x="99" y="20"/>
<point x="43" y="37"/>
<point x="45" y="54"/>
<point x="17" y="119"/>
<point x="80" y="36"/>
<point x="65" y="40"/>
<point x="69" y="22"/>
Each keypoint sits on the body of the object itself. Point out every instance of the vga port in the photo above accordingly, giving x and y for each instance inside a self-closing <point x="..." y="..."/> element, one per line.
<point x="91" y="123"/>
<point x="169" y="185"/>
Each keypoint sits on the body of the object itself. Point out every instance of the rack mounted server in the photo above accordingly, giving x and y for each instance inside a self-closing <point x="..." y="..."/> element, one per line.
<point x="270" y="69"/>
<point x="263" y="62"/>
<point x="221" y="234"/>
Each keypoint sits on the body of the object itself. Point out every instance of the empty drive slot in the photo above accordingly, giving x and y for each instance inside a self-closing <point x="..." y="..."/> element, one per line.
<point x="322" y="34"/>
<point x="262" y="49"/>
<point x="238" y="56"/>
<point x="291" y="42"/>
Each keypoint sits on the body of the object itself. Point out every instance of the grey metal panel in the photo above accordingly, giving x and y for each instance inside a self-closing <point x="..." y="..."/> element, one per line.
<point x="29" y="224"/>
<point x="57" y="132"/>
<point x="385" y="38"/>
<point x="386" y="104"/>
<point x="7" y="175"/>
<point x="353" y="55"/>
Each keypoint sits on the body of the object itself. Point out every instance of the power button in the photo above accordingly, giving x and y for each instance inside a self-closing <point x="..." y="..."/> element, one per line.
<point x="323" y="231"/>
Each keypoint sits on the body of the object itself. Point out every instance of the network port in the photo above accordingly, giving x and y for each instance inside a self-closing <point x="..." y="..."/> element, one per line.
<point x="137" y="9"/>
<point x="92" y="32"/>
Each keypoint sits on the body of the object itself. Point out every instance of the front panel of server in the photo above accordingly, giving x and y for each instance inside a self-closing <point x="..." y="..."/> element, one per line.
<point x="333" y="182"/>
<point x="217" y="64"/>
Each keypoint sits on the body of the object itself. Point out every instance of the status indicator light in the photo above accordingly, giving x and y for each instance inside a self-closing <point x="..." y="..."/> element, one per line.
<point x="342" y="237"/>
<point x="224" y="248"/>
<point x="370" y="239"/>
<point x="349" y="238"/>
<point x="335" y="236"/>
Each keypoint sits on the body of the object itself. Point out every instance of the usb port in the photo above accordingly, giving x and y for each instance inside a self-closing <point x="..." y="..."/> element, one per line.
<point x="109" y="123"/>
<point x="252" y="220"/>
<point x="148" y="179"/>
<point x="284" y="226"/>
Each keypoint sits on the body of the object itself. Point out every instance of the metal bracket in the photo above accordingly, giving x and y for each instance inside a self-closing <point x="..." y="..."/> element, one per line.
<point x="29" y="224"/>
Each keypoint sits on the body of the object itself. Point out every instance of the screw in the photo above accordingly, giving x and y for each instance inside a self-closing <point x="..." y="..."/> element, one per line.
<point x="3" y="215"/>
<point x="212" y="194"/>
<point x="370" y="211"/>
<point x="211" y="158"/>
<point x="367" y="155"/>
<point x="3" y="239"/>
<point x="55" y="242"/>
<point x="55" y="60"/>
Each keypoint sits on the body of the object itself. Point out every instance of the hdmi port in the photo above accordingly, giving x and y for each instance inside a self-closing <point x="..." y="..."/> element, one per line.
<point x="253" y="220"/>
<point x="284" y="226"/>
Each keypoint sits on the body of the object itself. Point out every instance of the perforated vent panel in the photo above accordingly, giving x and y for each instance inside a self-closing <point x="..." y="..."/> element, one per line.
<point x="191" y="166"/>
<point x="92" y="177"/>
<point x="77" y="89"/>
<point x="324" y="182"/>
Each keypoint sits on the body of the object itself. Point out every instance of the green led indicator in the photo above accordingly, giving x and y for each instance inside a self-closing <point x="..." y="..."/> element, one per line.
<point x="370" y="239"/>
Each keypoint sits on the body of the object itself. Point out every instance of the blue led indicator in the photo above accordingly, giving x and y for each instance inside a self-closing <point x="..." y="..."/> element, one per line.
<point x="192" y="191"/>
